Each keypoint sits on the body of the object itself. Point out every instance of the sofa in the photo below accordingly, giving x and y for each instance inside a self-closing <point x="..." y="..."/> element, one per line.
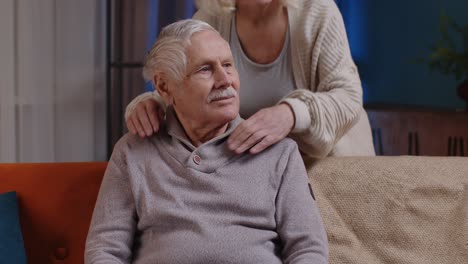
<point x="55" y="201"/>
<point x="404" y="209"/>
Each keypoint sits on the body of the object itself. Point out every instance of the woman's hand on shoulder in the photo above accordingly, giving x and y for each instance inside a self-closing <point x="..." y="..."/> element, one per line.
<point x="263" y="129"/>
<point x="145" y="118"/>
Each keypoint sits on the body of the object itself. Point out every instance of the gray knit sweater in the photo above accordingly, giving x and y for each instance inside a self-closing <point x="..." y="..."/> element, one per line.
<point x="162" y="200"/>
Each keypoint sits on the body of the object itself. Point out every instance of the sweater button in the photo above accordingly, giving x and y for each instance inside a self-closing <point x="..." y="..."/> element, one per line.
<point x="197" y="159"/>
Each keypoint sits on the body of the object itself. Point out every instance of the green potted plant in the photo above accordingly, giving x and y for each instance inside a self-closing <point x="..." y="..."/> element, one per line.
<point x="450" y="55"/>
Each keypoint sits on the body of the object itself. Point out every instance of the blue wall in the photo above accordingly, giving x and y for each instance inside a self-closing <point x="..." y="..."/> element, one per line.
<point x="386" y="36"/>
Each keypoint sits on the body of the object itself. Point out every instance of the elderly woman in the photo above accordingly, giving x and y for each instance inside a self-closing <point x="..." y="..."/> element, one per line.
<point x="286" y="51"/>
<point x="180" y="196"/>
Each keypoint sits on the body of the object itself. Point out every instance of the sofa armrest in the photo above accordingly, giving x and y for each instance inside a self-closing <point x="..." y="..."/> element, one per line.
<point x="56" y="202"/>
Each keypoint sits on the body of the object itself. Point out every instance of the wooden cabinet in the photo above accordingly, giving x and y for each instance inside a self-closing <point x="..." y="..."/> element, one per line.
<point x="402" y="131"/>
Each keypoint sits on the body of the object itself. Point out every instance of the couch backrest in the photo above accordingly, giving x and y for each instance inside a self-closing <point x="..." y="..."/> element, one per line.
<point x="407" y="209"/>
<point x="56" y="202"/>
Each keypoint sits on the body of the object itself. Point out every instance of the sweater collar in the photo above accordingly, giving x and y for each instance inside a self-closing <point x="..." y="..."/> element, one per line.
<point x="208" y="156"/>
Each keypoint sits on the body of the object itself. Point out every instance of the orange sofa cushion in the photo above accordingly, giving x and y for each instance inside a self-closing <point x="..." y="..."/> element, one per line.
<point x="56" y="202"/>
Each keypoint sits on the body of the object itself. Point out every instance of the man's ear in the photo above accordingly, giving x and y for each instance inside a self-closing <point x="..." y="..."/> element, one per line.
<point x="162" y="86"/>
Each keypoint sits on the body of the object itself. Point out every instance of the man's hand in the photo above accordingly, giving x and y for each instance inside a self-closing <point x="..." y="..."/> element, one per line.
<point x="263" y="129"/>
<point x="145" y="118"/>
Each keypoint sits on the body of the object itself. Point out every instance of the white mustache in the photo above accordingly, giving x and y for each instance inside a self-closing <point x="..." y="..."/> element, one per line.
<point x="221" y="93"/>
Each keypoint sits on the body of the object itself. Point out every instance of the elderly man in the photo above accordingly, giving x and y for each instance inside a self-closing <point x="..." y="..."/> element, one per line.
<point x="181" y="196"/>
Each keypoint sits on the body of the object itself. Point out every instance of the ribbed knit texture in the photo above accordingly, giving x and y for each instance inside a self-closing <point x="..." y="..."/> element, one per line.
<point x="162" y="200"/>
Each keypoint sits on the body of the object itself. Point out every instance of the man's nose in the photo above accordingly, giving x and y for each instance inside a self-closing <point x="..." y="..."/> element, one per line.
<point x="222" y="78"/>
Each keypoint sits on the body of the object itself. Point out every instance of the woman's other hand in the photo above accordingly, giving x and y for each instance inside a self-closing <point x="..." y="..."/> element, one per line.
<point x="263" y="129"/>
<point x="145" y="118"/>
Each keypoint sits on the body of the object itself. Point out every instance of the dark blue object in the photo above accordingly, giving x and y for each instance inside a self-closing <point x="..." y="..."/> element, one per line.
<point x="11" y="239"/>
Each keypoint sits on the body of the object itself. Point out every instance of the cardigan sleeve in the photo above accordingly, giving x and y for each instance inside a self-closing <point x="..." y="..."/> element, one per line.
<point x="113" y="225"/>
<point x="299" y="224"/>
<point x="332" y="104"/>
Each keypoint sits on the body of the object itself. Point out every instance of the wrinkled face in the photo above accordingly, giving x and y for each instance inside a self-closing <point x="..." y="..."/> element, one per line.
<point x="209" y="92"/>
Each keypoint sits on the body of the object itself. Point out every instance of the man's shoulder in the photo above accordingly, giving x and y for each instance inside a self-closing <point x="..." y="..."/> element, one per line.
<point x="287" y="142"/>
<point x="132" y="144"/>
<point x="278" y="156"/>
<point x="285" y="146"/>
<point x="128" y="140"/>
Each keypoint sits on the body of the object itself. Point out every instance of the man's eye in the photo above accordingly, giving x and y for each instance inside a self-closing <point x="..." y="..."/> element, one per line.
<point x="205" y="69"/>
<point x="228" y="65"/>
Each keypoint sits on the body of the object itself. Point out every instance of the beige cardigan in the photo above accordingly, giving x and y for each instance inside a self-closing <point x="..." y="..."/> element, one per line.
<point x="330" y="118"/>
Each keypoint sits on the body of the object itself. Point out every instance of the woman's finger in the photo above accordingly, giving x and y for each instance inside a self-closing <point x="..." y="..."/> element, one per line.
<point x="138" y="126"/>
<point x="250" y="142"/>
<point x="262" y="145"/>
<point x="142" y="116"/>
<point x="153" y="116"/>
<point x="239" y="135"/>
<point x="263" y="129"/>
<point x="131" y="127"/>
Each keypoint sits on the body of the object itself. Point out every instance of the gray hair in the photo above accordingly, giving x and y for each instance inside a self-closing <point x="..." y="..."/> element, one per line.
<point x="218" y="7"/>
<point x="168" y="53"/>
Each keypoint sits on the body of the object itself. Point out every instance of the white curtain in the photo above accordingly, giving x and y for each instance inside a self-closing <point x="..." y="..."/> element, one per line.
<point x="52" y="80"/>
